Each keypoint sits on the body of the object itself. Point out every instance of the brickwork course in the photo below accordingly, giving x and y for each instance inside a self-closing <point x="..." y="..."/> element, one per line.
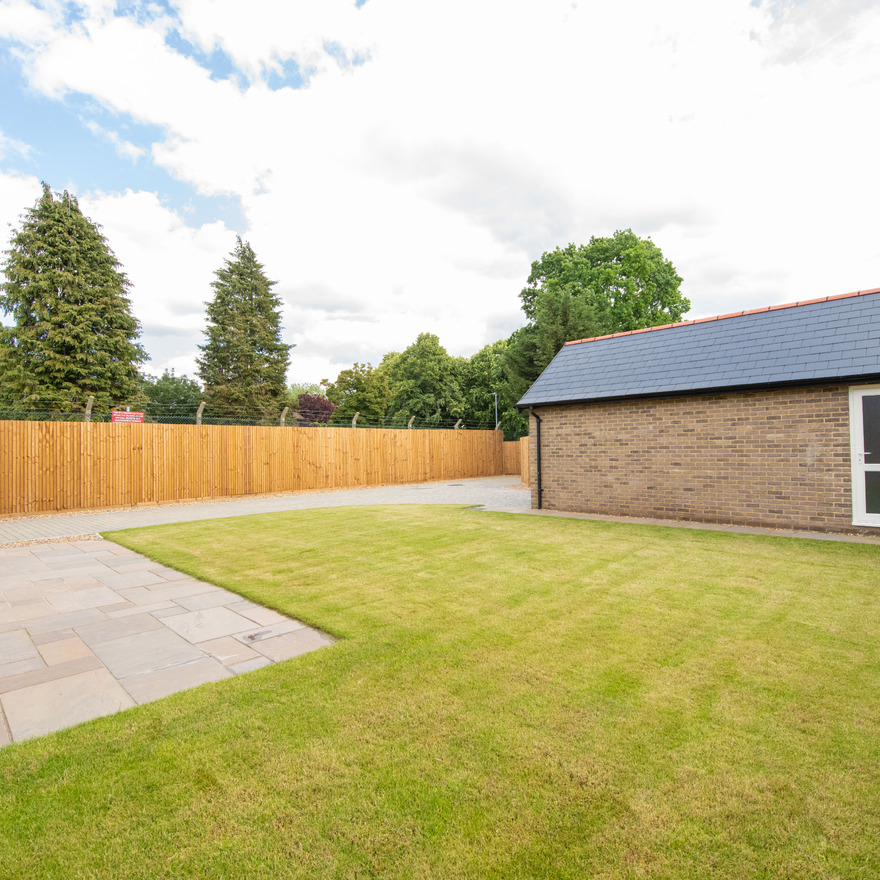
<point x="739" y="420"/>
<point x="773" y="458"/>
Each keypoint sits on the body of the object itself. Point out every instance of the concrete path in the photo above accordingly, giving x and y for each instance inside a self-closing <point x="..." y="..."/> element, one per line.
<point x="88" y="628"/>
<point x="495" y="493"/>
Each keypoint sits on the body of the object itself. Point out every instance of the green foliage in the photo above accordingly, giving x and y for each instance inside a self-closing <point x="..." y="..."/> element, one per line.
<point x="171" y="395"/>
<point x="360" y="389"/>
<point x="296" y="388"/>
<point x="486" y="375"/>
<point x="482" y="376"/>
<point x="625" y="279"/>
<point x="426" y="383"/>
<point x="561" y="315"/>
<point x="521" y="360"/>
<point x="424" y="377"/>
<point x="73" y="334"/>
<point x="244" y="363"/>
<point x="610" y="285"/>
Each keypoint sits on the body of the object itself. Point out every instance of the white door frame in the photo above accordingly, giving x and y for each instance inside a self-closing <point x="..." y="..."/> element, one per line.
<point x="859" y="465"/>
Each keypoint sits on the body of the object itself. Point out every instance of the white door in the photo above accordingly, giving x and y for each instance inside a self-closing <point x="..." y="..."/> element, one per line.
<point x="864" y="426"/>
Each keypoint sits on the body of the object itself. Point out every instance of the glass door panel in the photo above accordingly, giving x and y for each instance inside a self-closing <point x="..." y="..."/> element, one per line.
<point x="864" y="414"/>
<point x="872" y="492"/>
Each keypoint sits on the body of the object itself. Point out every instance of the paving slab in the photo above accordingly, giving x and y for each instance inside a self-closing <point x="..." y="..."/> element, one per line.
<point x="177" y="590"/>
<point x="260" y="615"/>
<point x="42" y="708"/>
<point x="292" y="644"/>
<point x="158" y="683"/>
<point x="250" y="665"/>
<point x="20" y="667"/>
<point x="252" y="636"/>
<point x="17" y="645"/>
<point x="64" y="621"/>
<point x="145" y="652"/>
<point x="43" y="673"/>
<point x="64" y="651"/>
<point x="126" y="580"/>
<point x="22" y="613"/>
<point x="116" y="628"/>
<point x="73" y="647"/>
<point x="201" y="601"/>
<point x="209" y="623"/>
<point x="229" y="651"/>
<point x="80" y="600"/>
<point x="74" y="612"/>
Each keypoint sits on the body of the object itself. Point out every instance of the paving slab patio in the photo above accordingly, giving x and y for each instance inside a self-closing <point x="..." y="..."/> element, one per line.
<point x="52" y="641"/>
<point x="73" y="648"/>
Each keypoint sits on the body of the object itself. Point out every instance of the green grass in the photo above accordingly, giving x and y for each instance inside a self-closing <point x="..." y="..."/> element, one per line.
<point x="510" y="697"/>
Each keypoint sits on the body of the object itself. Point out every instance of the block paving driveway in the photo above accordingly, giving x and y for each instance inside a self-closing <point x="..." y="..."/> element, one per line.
<point x="88" y="628"/>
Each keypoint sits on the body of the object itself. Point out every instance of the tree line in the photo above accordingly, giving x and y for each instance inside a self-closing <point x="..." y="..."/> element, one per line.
<point x="73" y="335"/>
<point x="610" y="285"/>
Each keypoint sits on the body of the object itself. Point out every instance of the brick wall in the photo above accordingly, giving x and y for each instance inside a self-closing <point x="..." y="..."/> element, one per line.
<point x="775" y="458"/>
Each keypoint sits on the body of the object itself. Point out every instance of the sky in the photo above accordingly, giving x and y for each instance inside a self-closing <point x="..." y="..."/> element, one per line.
<point x="398" y="165"/>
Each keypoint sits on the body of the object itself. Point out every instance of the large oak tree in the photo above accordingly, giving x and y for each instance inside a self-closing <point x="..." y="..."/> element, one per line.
<point x="610" y="285"/>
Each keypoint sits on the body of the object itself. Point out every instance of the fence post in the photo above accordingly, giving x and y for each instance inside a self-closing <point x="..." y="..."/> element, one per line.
<point x="88" y="414"/>
<point x="283" y="414"/>
<point x="199" y="413"/>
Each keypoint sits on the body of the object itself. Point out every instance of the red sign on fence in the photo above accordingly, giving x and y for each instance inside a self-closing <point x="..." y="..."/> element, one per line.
<point x="119" y="416"/>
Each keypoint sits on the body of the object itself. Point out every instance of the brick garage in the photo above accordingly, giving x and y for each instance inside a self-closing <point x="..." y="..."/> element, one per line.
<point x="770" y="445"/>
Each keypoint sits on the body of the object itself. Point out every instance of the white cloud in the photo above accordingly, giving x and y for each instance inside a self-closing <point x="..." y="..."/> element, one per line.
<point x="170" y="266"/>
<point x="299" y="31"/>
<point x="17" y="193"/>
<point x="123" y="147"/>
<point x="27" y="22"/>
<point x="10" y="146"/>
<point x="411" y="192"/>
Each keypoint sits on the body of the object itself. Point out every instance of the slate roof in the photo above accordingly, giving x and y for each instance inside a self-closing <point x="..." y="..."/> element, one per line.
<point x="836" y="338"/>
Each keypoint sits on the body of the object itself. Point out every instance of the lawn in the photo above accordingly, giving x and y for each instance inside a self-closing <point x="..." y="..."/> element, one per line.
<point x="511" y="696"/>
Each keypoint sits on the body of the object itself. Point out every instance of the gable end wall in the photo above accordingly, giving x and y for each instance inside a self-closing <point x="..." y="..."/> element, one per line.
<point x="777" y="458"/>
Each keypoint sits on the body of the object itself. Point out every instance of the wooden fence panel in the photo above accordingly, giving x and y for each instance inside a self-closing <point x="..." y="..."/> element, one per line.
<point x="49" y="466"/>
<point x="511" y="457"/>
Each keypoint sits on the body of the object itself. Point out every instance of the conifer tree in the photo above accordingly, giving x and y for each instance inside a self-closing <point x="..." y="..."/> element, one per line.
<point x="244" y="363"/>
<point x="73" y="334"/>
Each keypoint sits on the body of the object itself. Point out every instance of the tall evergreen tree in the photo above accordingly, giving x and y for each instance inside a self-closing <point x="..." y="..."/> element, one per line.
<point x="244" y="363"/>
<point x="73" y="333"/>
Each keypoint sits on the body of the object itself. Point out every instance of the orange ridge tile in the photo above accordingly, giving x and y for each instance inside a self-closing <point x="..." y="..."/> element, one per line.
<point x="791" y="305"/>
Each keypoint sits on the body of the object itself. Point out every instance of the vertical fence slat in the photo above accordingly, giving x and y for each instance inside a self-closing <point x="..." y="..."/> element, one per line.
<point x="49" y="466"/>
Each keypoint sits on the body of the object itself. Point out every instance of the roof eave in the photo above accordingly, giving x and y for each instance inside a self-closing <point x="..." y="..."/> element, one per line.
<point x="693" y="392"/>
